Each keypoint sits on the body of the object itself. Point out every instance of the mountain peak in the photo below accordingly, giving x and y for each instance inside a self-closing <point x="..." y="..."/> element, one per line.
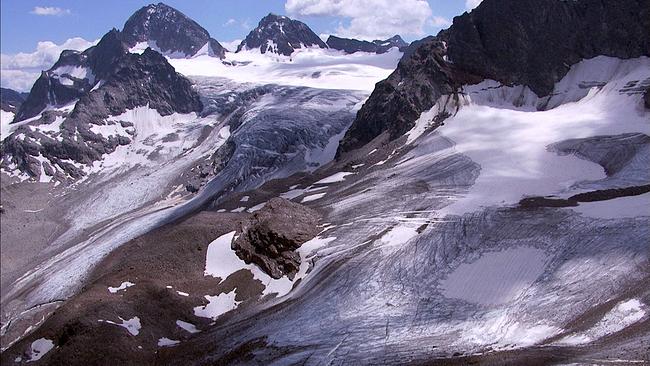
<point x="280" y="34"/>
<point x="169" y="31"/>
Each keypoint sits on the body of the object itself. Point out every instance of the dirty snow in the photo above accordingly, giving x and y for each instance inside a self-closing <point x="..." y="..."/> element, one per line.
<point x="189" y="327"/>
<point x="39" y="348"/>
<point x="166" y="342"/>
<point x="622" y="315"/>
<point x="495" y="277"/>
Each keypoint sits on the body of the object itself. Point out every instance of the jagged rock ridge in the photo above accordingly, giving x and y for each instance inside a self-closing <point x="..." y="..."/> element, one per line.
<point x="349" y="45"/>
<point x="503" y="40"/>
<point x="281" y="35"/>
<point x="115" y="81"/>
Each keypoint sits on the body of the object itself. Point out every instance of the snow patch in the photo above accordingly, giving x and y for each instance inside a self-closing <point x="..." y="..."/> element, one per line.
<point x="39" y="348"/>
<point x="217" y="305"/>
<point x="189" y="327"/>
<point x="122" y="286"/>
<point x="132" y="325"/>
<point x="166" y="342"/>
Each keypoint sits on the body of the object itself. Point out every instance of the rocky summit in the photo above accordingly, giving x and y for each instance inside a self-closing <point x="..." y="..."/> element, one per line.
<point x="170" y="32"/>
<point x="350" y="45"/>
<point x="280" y="35"/>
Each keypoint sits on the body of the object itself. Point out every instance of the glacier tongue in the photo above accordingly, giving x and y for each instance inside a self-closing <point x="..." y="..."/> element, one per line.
<point x="267" y="132"/>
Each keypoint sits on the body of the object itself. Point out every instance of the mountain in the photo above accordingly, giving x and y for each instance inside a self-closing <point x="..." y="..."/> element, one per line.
<point x="281" y="35"/>
<point x="349" y="45"/>
<point x="170" y="32"/>
<point x="502" y="41"/>
<point x="106" y="80"/>
<point x="472" y="216"/>
<point x="10" y="100"/>
<point x="162" y="27"/>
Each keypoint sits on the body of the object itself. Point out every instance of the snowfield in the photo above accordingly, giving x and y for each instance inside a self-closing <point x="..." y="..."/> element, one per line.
<point x="311" y="67"/>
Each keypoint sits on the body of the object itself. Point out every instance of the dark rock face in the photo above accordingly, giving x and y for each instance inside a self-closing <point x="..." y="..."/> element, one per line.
<point x="281" y="35"/>
<point x="349" y="45"/>
<point x="511" y="41"/>
<point x="172" y="31"/>
<point x="127" y="81"/>
<point x="397" y="102"/>
<point x="274" y="233"/>
<point x="408" y="51"/>
<point x="516" y="41"/>
<point x="646" y="98"/>
<point x="57" y="86"/>
<point x="10" y="100"/>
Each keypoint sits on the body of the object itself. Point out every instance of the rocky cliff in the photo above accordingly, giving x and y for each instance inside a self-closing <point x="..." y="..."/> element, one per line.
<point x="526" y="42"/>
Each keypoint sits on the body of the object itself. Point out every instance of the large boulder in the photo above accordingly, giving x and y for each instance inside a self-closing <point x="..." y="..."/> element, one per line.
<point x="272" y="235"/>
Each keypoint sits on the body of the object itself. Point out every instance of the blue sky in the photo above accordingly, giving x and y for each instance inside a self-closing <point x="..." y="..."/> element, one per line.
<point x="21" y="29"/>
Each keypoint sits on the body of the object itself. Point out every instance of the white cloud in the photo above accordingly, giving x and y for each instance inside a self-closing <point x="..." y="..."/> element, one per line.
<point x="440" y="22"/>
<point x="471" y="4"/>
<point x="49" y="10"/>
<point x="229" y="22"/>
<point x="19" y="71"/>
<point x="368" y="19"/>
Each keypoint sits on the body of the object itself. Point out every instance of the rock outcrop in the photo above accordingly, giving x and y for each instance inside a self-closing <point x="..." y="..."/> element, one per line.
<point x="170" y="31"/>
<point x="511" y="41"/>
<point x="274" y="233"/>
<point x="349" y="45"/>
<point x="10" y="100"/>
<point x="281" y="35"/>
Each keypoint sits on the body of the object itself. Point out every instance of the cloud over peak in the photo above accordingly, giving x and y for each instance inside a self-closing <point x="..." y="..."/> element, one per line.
<point x="19" y="71"/>
<point x="368" y="19"/>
